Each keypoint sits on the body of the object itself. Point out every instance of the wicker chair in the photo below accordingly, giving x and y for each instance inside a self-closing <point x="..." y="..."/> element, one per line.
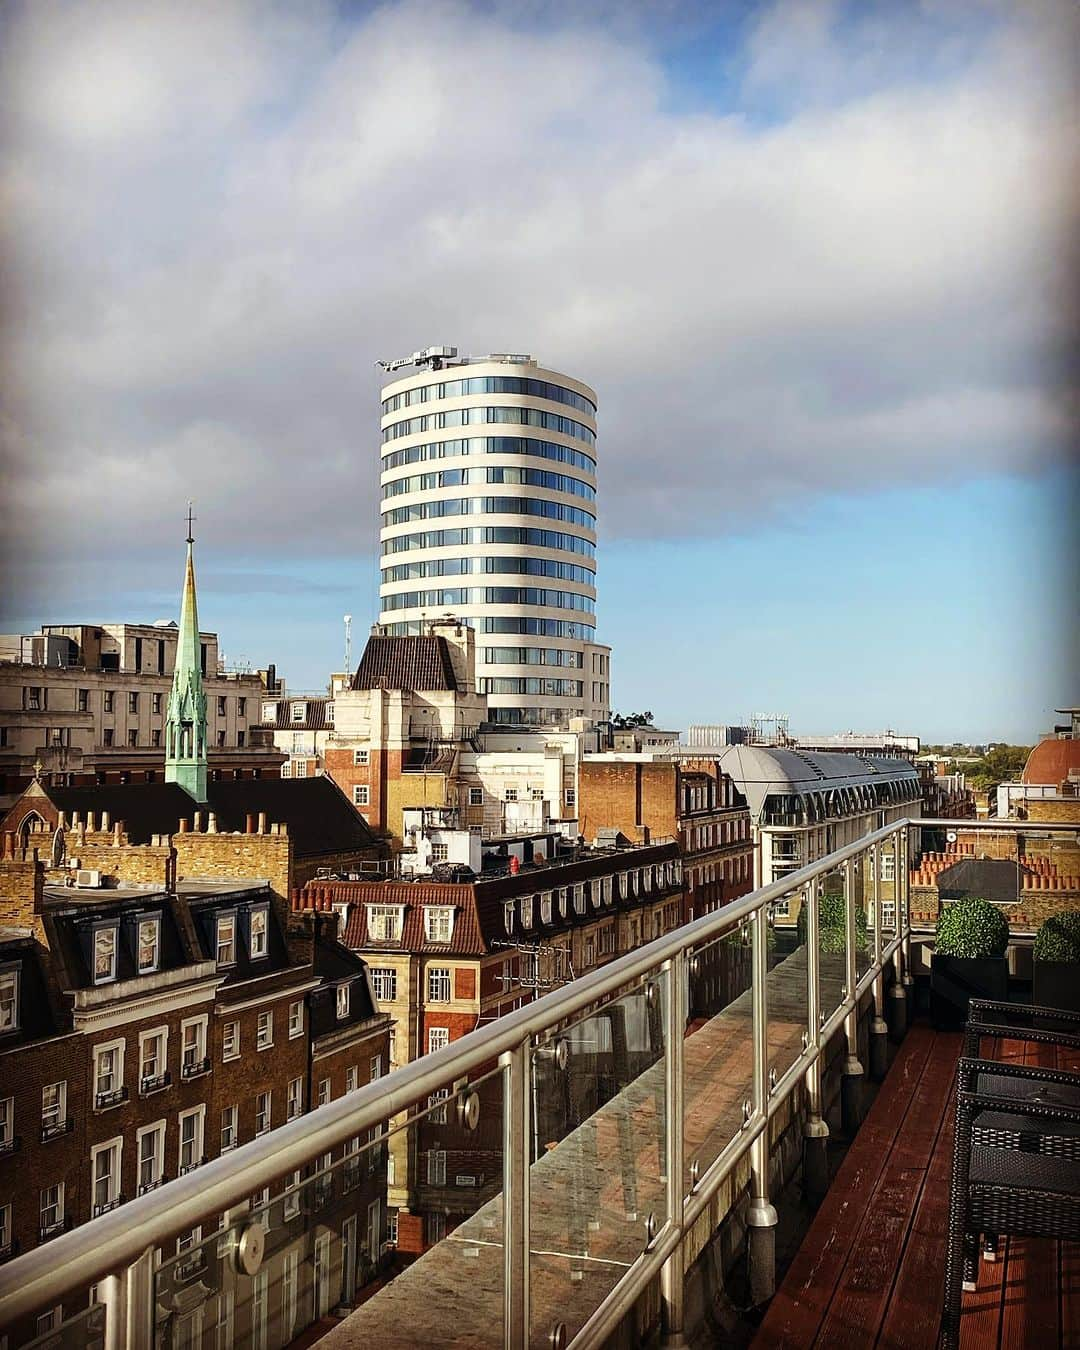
<point x="1016" y="1157"/>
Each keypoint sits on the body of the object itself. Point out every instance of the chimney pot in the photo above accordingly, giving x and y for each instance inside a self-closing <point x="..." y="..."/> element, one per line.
<point x="198" y="822"/>
<point x="249" y="823"/>
<point x="262" y="822"/>
<point x="184" y="825"/>
<point x="104" y="820"/>
<point x="90" y="821"/>
<point x="211" y="823"/>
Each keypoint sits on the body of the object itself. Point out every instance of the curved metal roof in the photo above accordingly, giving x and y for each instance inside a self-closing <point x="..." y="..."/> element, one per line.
<point x="760" y="771"/>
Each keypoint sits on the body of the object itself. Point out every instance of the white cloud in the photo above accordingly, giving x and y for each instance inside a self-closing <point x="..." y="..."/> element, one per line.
<point x="219" y="217"/>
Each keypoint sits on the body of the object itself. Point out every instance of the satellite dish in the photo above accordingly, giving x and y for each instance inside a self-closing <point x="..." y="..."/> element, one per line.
<point x="950" y="835"/>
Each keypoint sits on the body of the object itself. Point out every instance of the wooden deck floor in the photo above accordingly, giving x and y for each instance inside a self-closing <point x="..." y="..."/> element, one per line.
<point x="870" y="1271"/>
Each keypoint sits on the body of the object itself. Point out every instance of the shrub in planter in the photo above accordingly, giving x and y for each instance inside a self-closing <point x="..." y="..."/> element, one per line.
<point x="1056" y="966"/>
<point x="968" y="960"/>
<point x="832" y="925"/>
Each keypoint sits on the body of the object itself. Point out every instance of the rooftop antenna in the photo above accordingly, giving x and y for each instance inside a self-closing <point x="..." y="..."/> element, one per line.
<point x="348" y="643"/>
<point x="190" y="518"/>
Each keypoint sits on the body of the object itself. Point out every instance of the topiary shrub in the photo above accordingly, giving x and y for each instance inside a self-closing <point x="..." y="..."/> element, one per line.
<point x="972" y="929"/>
<point x="832" y="925"/>
<point x="1058" y="939"/>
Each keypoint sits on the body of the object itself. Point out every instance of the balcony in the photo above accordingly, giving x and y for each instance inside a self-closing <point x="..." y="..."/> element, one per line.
<point x="105" y="1101"/>
<point x="56" y="1129"/>
<point x="194" y="1068"/>
<point x="155" y="1083"/>
<point x="635" y="1128"/>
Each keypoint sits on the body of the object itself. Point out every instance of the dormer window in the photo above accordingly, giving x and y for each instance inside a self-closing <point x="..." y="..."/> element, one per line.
<point x="579" y="898"/>
<point x="9" y="999"/>
<point x="258" y="944"/>
<point x="438" y="923"/>
<point x="149" y="951"/>
<point x="545" y="907"/>
<point x="105" y="954"/>
<point x="384" y="922"/>
<point x="526" y="911"/>
<point x="269" y="712"/>
<point x="508" y="917"/>
<point x="329" y="714"/>
<point x="342" y="1001"/>
<point x="226" y="939"/>
<point x="297" y="712"/>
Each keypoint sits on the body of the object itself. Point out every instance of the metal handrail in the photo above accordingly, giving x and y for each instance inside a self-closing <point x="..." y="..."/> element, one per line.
<point x="124" y="1236"/>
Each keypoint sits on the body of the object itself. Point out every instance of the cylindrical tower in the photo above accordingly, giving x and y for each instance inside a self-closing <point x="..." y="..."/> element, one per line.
<point x="488" y="487"/>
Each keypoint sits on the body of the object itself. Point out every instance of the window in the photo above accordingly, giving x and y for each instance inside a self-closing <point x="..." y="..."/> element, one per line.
<point x="51" y="1209"/>
<point x="435" y="1228"/>
<point x="133" y="737"/>
<point x="105" y="1176"/>
<point x="360" y="757"/>
<point x="5" y="1230"/>
<point x="156" y="703"/>
<point x="108" y="1074"/>
<point x="437" y="1037"/>
<point x="230" y="1128"/>
<point x="230" y="1040"/>
<point x="526" y="911"/>
<point x="384" y="982"/>
<point x="262" y="1112"/>
<point x="361" y="794"/>
<point x="7" y="1123"/>
<point x="888" y="867"/>
<point x="437" y="1102"/>
<point x="508" y="916"/>
<point x="264" y="1036"/>
<point x="294" y="1101"/>
<point x="375" y="1068"/>
<point x="352" y="1079"/>
<point x="153" y="1048"/>
<point x="9" y="999"/>
<point x="438" y="923"/>
<point x="193" y="1047"/>
<point x="108" y="737"/>
<point x="226" y="939"/>
<point x="436" y="1167"/>
<point x="438" y="984"/>
<point x="108" y="701"/>
<point x="149" y="944"/>
<point x="888" y="913"/>
<point x="296" y="1020"/>
<point x="297" y="712"/>
<point x="476" y="798"/>
<point x="258" y="944"/>
<point x="53" y="1109"/>
<point x="291" y="1207"/>
<point x="384" y="923"/>
<point x="342" y="1001"/>
<point x="323" y="1091"/>
<point x="133" y="702"/>
<point x="440" y="853"/>
<point x="391" y="1227"/>
<point x="49" y="1321"/>
<point x="104" y="955"/>
<point x="221" y="709"/>
<point x="510" y="794"/>
<point x="150" y="1146"/>
<point x="191" y="1138"/>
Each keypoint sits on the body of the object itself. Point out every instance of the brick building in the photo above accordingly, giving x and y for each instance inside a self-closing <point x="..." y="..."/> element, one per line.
<point x="446" y="956"/>
<point x="146" y="1028"/>
<point x="692" y="801"/>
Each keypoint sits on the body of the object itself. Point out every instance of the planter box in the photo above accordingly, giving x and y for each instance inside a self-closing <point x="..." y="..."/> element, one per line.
<point x="1056" y="984"/>
<point x="956" y="979"/>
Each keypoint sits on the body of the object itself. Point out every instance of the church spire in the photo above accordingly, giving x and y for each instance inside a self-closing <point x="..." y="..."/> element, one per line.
<point x="185" y="722"/>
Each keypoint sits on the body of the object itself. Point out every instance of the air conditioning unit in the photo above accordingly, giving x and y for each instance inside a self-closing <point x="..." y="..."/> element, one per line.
<point x="88" y="878"/>
<point x="464" y="1179"/>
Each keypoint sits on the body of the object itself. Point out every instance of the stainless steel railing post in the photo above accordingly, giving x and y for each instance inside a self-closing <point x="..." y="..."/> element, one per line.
<point x="672" y="1274"/>
<point x="140" y="1302"/>
<point x="816" y="1131"/>
<point x="879" y="1031"/>
<point x="516" y="1067"/>
<point x="851" y="1082"/>
<point x="761" y="1218"/>
<point x="903" y="882"/>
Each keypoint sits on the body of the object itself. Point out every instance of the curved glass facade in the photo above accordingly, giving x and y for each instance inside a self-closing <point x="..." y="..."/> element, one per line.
<point x="533" y="490"/>
<point x="463" y="567"/>
<point x="489" y="445"/>
<point x="490" y="534"/>
<point x="475" y="417"/>
<point x="489" y="384"/>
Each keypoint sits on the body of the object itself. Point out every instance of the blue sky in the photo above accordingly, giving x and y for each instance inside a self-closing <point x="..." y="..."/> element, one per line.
<point x="811" y="254"/>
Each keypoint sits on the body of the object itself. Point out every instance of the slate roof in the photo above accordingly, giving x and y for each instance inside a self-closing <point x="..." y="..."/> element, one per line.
<point x="319" y="817"/>
<point x="314" y="710"/>
<point x="420" y="663"/>
<point x="994" y="879"/>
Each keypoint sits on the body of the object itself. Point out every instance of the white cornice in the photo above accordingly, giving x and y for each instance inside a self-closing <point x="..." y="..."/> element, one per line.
<point x="153" y="1003"/>
<point x="287" y="991"/>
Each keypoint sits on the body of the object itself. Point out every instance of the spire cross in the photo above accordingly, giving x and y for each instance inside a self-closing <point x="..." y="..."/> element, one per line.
<point x="190" y="518"/>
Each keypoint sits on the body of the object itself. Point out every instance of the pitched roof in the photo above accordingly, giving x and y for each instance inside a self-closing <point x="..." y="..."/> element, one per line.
<point x="421" y="663"/>
<point x="319" y="817"/>
<point x="314" y="712"/>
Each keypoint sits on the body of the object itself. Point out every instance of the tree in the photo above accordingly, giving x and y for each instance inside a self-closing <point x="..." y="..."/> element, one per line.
<point x="642" y="719"/>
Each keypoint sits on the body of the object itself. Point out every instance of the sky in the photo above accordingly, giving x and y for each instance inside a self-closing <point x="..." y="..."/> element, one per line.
<point x="817" y="258"/>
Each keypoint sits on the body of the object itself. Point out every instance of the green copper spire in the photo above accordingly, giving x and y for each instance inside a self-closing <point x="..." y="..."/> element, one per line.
<point x="185" y="722"/>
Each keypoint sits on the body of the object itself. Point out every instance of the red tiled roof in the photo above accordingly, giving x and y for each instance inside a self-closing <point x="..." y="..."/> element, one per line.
<point x="421" y="663"/>
<point x="1051" y="761"/>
